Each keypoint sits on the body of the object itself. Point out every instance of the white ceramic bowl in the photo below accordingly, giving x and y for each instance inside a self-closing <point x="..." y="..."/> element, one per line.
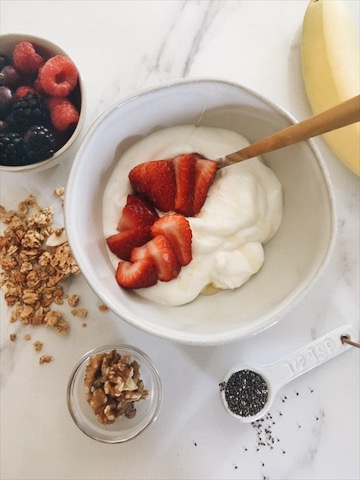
<point x="47" y="49"/>
<point x="294" y="258"/>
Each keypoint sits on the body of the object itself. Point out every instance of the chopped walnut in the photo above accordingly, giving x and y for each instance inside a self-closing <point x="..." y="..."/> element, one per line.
<point x="37" y="345"/>
<point x="23" y="209"/>
<point x="32" y="269"/>
<point x="45" y="359"/>
<point x="113" y="385"/>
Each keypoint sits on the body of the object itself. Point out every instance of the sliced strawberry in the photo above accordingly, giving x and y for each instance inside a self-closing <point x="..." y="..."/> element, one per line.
<point x="162" y="254"/>
<point x="185" y="183"/>
<point x="121" y="244"/>
<point x="204" y="177"/>
<point x="155" y="180"/>
<point x="178" y="231"/>
<point x="139" y="274"/>
<point x="137" y="211"/>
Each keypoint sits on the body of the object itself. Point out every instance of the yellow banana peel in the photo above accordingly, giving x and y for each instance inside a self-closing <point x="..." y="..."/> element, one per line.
<point x="330" y="58"/>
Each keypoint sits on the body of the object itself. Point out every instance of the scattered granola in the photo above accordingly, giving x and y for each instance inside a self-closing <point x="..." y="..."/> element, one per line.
<point x="113" y="385"/>
<point x="59" y="192"/>
<point x="27" y="336"/>
<point x="58" y="237"/>
<point x="73" y="300"/>
<point x="33" y="268"/>
<point x="103" y="308"/>
<point x="45" y="359"/>
<point x="12" y="337"/>
<point x="79" y="312"/>
<point x="38" y="345"/>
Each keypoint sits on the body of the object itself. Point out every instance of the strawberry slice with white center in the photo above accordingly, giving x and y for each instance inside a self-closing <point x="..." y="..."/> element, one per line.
<point x="141" y="274"/>
<point x="121" y="244"/>
<point x="177" y="230"/>
<point x="155" y="180"/>
<point x="137" y="211"/>
<point x="184" y="166"/>
<point x="205" y="171"/>
<point x="162" y="254"/>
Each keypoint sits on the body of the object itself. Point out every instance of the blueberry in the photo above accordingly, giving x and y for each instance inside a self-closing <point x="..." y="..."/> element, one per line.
<point x="5" y="99"/>
<point x="3" y="61"/>
<point x="11" y="77"/>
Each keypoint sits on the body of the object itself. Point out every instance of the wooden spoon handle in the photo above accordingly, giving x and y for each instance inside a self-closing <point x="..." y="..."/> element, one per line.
<point x="339" y="116"/>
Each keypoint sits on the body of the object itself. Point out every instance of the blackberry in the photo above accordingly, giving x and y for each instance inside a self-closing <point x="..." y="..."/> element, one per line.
<point x="27" y="111"/>
<point x="12" y="150"/>
<point x="4" y="127"/>
<point x="39" y="143"/>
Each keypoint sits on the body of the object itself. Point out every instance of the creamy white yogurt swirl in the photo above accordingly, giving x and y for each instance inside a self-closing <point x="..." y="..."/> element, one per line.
<point x="243" y="211"/>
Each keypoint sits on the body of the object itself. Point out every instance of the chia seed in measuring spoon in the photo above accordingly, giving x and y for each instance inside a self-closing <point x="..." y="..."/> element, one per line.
<point x="248" y="392"/>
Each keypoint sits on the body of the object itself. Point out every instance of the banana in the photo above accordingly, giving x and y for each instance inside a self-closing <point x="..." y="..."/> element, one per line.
<point x="331" y="70"/>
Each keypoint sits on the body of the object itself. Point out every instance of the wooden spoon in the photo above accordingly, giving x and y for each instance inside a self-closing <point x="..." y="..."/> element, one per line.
<point x="339" y="116"/>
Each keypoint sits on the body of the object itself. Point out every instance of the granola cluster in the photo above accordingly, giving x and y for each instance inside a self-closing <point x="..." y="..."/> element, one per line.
<point x="113" y="385"/>
<point x="35" y="259"/>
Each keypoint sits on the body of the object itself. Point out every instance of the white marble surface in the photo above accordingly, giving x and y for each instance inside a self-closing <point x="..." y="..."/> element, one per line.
<point x="122" y="47"/>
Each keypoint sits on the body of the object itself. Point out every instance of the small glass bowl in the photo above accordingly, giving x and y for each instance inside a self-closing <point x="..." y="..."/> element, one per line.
<point x="122" y="429"/>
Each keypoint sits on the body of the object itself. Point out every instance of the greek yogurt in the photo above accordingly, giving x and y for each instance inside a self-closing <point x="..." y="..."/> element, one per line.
<point x="242" y="212"/>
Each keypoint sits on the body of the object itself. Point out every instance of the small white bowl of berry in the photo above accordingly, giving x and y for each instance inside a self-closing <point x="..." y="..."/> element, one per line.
<point x="42" y="103"/>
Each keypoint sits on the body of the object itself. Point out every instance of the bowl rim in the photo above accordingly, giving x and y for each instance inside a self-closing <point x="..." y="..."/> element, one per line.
<point x="119" y="347"/>
<point x="213" y="338"/>
<point x="54" y="159"/>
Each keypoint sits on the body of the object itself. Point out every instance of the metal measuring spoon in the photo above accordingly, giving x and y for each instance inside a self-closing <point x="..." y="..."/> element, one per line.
<point x="248" y="392"/>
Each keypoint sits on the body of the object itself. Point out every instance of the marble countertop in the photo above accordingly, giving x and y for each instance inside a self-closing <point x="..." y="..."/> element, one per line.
<point x="122" y="47"/>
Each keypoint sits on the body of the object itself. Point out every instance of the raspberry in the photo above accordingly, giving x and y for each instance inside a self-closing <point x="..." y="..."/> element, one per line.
<point x="23" y="90"/>
<point x="63" y="113"/>
<point x="38" y="87"/>
<point x="59" y="76"/>
<point x="25" y="58"/>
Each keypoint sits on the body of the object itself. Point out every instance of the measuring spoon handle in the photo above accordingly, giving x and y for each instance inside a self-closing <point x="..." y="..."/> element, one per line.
<point x="310" y="356"/>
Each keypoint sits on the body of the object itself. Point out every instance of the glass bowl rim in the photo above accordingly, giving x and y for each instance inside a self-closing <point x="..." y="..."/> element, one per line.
<point x="119" y="347"/>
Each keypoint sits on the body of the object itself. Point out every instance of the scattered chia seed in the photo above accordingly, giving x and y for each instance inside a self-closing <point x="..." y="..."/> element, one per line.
<point x="222" y="386"/>
<point x="246" y="393"/>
